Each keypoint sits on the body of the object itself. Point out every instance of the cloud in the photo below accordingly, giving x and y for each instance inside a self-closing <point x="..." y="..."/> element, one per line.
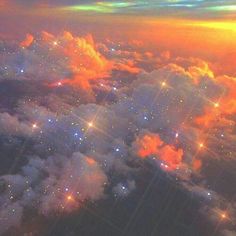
<point x="228" y="233"/>
<point x="10" y="216"/>
<point x="94" y="125"/>
<point x="10" y="125"/>
<point x="28" y="41"/>
<point x="64" y="59"/>
<point x="79" y="177"/>
<point x="148" y="144"/>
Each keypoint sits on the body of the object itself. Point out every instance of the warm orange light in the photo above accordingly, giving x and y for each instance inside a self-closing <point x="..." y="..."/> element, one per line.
<point x="197" y="164"/>
<point x="69" y="198"/>
<point x="28" y="41"/>
<point x="34" y="126"/>
<point x="216" y="105"/>
<point x="223" y="215"/>
<point x="90" y="161"/>
<point x="163" y="84"/>
<point x="218" y="25"/>
<point x="90" y="124"/>
<point x="201" y="145"/>
<point x="151" y="144"/>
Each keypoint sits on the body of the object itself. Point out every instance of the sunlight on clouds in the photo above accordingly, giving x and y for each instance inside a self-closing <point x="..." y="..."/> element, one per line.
<point x="219" y="25"/>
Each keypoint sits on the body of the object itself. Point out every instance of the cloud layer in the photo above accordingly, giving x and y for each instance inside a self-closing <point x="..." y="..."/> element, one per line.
<point x="85" y="113"/>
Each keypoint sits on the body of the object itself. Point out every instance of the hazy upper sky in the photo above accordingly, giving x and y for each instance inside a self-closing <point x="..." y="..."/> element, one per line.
<point x="170" y="8"/>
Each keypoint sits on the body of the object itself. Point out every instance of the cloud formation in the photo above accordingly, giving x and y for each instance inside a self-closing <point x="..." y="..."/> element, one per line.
<point x="85" y="122"/>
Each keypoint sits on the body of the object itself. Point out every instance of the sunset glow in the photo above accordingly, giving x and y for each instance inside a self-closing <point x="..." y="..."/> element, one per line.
<point x="118" y="117"/>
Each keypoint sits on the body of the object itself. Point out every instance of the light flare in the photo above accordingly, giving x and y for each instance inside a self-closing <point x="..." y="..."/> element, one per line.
<point x="90" y="124"/>
<point x="163" y="84"/>
<point x="216" y="105"/>
<point x="69" y="198"/>
<point x="201" y="145"/>
<point x="34" y="126"/>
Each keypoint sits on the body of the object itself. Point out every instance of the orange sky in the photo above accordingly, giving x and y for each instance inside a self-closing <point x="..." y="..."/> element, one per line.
<point x="211" y="40"/>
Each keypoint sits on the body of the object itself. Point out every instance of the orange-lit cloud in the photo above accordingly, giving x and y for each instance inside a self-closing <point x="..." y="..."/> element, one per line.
<point x="3" y="3"/>
<point x="128" y="66"/>
<point x="171" y="156"/>
<point x="216" y="111"/>
<point x="84" y="62"/>
<point x="90" y="161"/>
<point x="151" y="144"/>
<point x="197" y="164"/>
<point x="27" y="41"/>
<point x="148" y="145"/>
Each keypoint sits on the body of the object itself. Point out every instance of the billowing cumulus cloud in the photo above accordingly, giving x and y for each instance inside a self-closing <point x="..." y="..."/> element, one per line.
<point x="151" y="144"/>
<point x="87" y="130"/>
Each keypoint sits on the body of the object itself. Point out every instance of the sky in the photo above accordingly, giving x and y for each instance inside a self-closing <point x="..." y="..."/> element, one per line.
<point x="196" y="8"/>
<point x="193" y="25"/>
<point x="117" y="118"/>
